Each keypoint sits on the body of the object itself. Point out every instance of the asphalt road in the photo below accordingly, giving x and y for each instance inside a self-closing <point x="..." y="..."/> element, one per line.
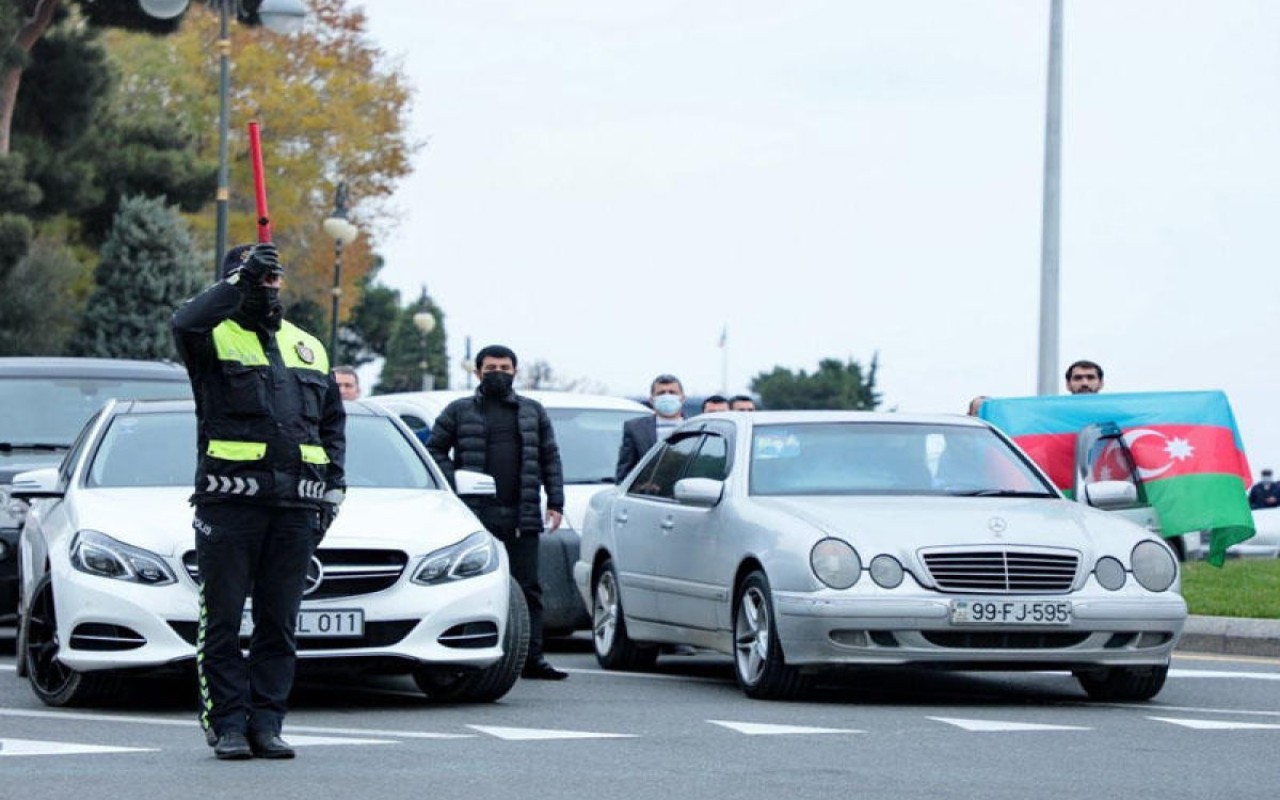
<point x="685" y="731"/>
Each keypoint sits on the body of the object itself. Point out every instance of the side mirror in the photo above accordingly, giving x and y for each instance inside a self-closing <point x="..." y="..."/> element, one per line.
<point x="474" y="484"/>
<point x="36" y="483"/>
<point x="703" y="492"/>
<point x="1110" y="494"/>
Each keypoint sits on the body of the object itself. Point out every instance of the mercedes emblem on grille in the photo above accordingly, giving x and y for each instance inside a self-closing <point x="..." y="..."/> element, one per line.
<point x="997" y="524"/>
<point x="315" y="576"/>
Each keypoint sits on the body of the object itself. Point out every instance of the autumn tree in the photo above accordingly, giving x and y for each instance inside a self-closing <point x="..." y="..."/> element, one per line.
<point x="147" y="269"/>
<point x="835" y="384"/>
<point x="330" y="108"/>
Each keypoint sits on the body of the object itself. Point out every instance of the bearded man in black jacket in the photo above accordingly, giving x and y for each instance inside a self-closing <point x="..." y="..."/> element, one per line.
<point x="509" y="438"/>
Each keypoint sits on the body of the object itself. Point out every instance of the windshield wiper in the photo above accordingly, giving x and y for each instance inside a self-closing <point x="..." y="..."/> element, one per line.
<point x="998" y="493"/>
<point x="9" y="447"/>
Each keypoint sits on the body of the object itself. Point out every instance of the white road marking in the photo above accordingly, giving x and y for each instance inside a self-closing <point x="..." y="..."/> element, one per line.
<point x="987" y="725"/>
<point x="1217" y="725"/>
<point x="312" y="741"/>
<point x="191" y="723"/>
<point x="1213" y="673"/>
<point x="532" y="734"/>
<point x="9" y="667"/>
<point x="653" y="676"/>
<point x="33" y="747"/>
<point x="762" y="729"/>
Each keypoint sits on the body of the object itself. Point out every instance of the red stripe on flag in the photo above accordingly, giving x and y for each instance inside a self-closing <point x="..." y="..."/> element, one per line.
<point x="1055" y="453"/>
<point x="1171" y="451"/>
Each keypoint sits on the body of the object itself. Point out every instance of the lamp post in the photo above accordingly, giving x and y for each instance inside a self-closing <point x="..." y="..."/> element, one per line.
<point x="425" y="321"/>
<point x="277" y="16"/>
<point x="343" y="231"/>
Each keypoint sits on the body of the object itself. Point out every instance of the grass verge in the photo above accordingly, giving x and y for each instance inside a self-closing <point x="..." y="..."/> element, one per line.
<point x="1239" y="588"/>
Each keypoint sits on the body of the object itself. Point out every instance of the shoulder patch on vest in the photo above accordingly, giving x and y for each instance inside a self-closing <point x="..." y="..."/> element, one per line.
<point x="305" y="353"/>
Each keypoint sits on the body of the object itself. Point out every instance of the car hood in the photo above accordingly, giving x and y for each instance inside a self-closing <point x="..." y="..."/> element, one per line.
<point x="159" y="519"/>
<point x="899" y="525"/>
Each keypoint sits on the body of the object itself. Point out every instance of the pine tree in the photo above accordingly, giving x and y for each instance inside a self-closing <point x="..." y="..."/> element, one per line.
<point x="408" y="348"/>
<point x="147" y="269"/>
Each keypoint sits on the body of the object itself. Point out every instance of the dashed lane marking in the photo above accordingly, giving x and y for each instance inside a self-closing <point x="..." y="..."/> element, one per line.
<point x="33" y="747"/>
<point x="1217" y="725"/>
<point x="312" y="741"/>
<point x="289" y="730"/>
<point x="990" y="726"/>
<point x="532" y="734"/>
<point x="762" y="729"/>
<point x="1214" y="673"/>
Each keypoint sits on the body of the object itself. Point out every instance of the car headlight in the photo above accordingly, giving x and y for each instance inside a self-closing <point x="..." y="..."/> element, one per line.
<point x="886" y="571"/>
<point x="836" y="563"/>
<point x="1109" y="572"/>
<point x="98" y="554"/>
<point x="475" y="555"/>
<point x="1154" y="566"/>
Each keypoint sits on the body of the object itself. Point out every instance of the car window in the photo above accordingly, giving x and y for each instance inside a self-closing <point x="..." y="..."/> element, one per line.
<point x="659" y="476"/>
<point x="159" y="449"/>
<point x="886" y="458"/>
<point x="53" y="410"/>
<point x="589" y="439"/>
<point x="712" y="460"/>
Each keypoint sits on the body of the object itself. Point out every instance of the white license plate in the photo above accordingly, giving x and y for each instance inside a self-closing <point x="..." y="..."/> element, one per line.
<point x="1010" y="612"/>
<point x="318" y="624"/>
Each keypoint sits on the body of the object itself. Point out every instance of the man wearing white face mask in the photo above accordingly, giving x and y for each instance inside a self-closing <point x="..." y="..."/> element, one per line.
<point x="666" y="395"/>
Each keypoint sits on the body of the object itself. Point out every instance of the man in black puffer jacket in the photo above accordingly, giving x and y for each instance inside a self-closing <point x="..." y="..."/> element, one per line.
<point x="510" y="438"/>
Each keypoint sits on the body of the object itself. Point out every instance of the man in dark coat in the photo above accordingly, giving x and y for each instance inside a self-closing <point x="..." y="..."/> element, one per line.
<point x="666" y="397"/>
<point x="509" y="438"/>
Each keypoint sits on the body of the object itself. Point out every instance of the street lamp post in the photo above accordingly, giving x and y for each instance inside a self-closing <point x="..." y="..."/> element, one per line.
<point x="277" y="16"/>
<point x="343" y="231"/>
<point x="425" y="321"/>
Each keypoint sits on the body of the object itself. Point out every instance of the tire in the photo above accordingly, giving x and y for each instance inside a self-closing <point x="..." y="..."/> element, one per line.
<point x="758" y="663"/>
<point x="1123" y="683"/>
<point x="445" y="685"/>
<point x="53" y="682"/>
<point x="614" y="648"/>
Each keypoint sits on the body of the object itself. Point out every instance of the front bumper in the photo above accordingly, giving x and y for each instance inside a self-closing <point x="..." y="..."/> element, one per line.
<point x="155" y="627"/>
<point x="1115" y="629"/>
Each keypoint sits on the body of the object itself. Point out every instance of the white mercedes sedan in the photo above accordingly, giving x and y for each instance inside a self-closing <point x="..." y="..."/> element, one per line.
<point x="406" y="580"/>
<point x="809" y="543"/>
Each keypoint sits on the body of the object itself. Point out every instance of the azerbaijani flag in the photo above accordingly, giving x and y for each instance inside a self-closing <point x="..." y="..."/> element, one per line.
<point x="1184" y="444"/>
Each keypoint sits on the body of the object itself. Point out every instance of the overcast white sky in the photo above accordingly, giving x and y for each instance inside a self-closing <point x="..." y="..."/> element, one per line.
<point x="608" y="184"/>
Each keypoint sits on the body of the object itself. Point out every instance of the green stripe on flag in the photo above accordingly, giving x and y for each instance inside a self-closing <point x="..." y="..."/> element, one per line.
<point x="1211" y="502"/>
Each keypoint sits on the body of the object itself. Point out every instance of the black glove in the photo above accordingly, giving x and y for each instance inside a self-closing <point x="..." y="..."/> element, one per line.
<point x="263" y="260"/>
<point x="329" y="508"/>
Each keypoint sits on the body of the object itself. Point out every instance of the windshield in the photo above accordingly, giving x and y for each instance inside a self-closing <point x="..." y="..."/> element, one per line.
<point x="160" y="450"/>
<point x="887" y="458"/>
<point x="589" y="440"/>
<point x="51" y="411"/>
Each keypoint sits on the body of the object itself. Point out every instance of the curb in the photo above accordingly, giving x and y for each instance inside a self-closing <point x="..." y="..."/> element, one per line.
<point x="1231" y="636"/>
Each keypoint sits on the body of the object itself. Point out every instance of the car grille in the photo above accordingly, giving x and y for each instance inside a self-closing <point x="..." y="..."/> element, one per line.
<point x="1002" y="570"/>
<point x="346" y="572"/>
<point x="376" y="634"/>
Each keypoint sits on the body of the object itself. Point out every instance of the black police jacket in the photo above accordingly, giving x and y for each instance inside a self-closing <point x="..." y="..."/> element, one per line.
<point x="271" y="426"/>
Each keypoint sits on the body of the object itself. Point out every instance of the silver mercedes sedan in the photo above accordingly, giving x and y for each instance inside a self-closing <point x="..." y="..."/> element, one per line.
<point x="806" y="543"/>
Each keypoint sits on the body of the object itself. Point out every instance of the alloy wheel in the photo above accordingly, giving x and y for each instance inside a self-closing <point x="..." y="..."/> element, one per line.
<point x="43" y="666"/>
<point x="751" y="636"/>
<point x="604" y="622"/>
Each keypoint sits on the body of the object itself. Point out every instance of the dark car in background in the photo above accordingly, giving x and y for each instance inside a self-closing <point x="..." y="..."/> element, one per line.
<point x="44" y="402"/>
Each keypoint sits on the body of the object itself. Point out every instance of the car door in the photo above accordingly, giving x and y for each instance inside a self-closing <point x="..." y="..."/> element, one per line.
<point x="693" y="562"/>
<point x="642" y="518"/>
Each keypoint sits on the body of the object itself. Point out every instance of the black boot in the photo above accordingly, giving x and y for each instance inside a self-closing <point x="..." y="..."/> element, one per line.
<point x="266" y="744"/>
<point x="539" y="670"/>
<point x="232" y="746"/>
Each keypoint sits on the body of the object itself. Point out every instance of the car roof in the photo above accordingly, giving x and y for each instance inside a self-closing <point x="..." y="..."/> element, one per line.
<point x="797" y="417"/>
<point x="354" y="408"/>
<point x="435" y="401"/>
<point x="70" y="367"/>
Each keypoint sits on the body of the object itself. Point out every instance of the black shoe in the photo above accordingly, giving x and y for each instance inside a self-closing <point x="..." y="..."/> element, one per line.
<point x="232" y="746"/>
<point x="540" y="670"/>
<point x="269" y="745"/>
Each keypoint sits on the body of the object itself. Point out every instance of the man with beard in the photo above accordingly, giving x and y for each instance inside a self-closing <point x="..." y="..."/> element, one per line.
<point x="271" y="439"/>
<point x="509" y="438"/>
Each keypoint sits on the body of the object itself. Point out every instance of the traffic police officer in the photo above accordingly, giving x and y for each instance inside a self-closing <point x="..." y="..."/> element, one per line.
<point x="271" y="445"/>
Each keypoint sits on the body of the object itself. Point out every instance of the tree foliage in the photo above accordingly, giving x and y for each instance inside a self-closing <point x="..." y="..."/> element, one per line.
<point x="330" y="109"/>
<point x="40" y="299"/>
<point x="835" y="385"/>
<point x="409" y="350"/>
<point x="147" y="269"/>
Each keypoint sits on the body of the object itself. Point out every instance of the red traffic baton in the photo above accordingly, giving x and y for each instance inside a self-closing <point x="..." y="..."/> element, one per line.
<point x="259" y="182"/>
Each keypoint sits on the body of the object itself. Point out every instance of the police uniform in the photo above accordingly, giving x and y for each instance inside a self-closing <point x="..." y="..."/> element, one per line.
<point x="271" y="446"/>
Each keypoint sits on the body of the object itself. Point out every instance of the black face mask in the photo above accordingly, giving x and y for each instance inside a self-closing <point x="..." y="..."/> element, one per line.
<point x="261" y="308"/>
<point x="496" y="384"/>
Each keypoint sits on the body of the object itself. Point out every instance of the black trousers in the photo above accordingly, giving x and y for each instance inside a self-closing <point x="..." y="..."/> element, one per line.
<point x="260" y="551"/>
<point x="522" y="554"/>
